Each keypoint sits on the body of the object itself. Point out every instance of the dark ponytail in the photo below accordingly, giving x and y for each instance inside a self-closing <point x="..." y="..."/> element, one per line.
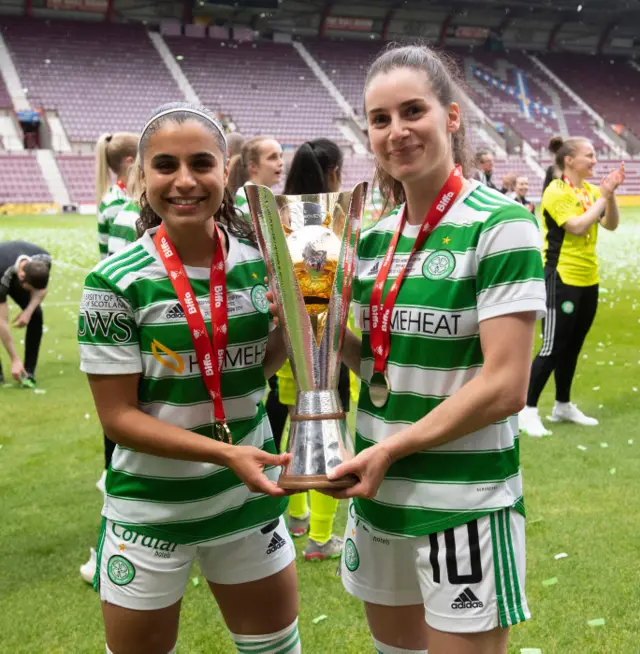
<point x="310" y="167"/>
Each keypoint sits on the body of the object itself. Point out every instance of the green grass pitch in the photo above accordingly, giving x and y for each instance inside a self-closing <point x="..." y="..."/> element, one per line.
<point x="582" y="502"/>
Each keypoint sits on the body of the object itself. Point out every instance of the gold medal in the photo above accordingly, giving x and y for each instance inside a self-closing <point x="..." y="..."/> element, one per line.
<point x="379" y="389"/>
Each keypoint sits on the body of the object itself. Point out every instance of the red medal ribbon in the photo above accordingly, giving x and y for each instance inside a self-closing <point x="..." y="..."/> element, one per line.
<point x="121" y="185"/>
<point x="582" y="193"/>
<point x="380" y="315"/>
<point x="209" y="352"/>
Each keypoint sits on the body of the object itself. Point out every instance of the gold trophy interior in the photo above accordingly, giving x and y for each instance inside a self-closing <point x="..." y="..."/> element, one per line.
<point x="315" y="251"/>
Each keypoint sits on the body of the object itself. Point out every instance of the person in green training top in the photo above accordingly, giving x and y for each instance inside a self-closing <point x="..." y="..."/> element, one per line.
<point x="435" y="536"/>
<point x="114" y="156"/>
<point x="259" y="162"/>
<point x="174" y="492"/>
<point x="123" y="229"/>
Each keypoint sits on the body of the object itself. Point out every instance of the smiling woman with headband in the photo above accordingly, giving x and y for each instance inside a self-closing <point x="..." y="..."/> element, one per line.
<point x="176" y="340"/>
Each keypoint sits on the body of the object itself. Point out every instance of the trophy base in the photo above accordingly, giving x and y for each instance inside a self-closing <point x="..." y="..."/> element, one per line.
<point x="315" y="482"/>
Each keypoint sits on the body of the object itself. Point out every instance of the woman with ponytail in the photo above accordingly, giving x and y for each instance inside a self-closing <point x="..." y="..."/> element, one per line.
<point x="178" y="375"/>
<point x="572" y="211"/>
<point x="447" y="290"/>
<point x="114" y="155"/>
<point x="315" y="168"/>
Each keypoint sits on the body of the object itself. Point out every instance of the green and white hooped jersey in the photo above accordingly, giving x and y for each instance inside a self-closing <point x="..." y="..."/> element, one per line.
<point x="112" y="202"/>
<point x="123" y="228"/>
<point x="131" y="322"/>
<point x="483" y="260"/>
<point x="242" y="204"/>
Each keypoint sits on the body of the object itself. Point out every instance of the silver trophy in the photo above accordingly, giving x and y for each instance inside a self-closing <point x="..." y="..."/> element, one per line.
<point x="309" y="246"/>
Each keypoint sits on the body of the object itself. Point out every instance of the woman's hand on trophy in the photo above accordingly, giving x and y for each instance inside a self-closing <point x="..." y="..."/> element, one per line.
<point x="249" y="463"/>
<point x="370" y="467"/>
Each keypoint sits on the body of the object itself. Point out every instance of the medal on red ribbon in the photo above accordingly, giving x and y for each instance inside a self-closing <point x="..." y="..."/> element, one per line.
<point x="380" y="313"/>
<point x="210" y="352"/>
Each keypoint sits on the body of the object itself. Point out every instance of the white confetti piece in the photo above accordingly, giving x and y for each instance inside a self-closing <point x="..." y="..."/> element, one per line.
<point x="596" y="388"/>
<point x="319" y="619"/>
<point x="39" y="391"/>
<point x="86" y="416"/>
<point x="612" y="471"/>
<point x="630" y="441"/>
<point x="582" y="448"/>
<point x="59" y="357"/>
<point x="634" y="389"/>
<point x="603" y="445"/>
<point x="600" y="406"/>
<point x="562" y="555"/>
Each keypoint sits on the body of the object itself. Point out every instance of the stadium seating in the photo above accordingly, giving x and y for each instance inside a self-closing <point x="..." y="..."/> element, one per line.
<point x="100" y="77"/>
<point x="266" y="88"/>
<point x="22" y="179"/>
<point x="502" y="106"/>
<point x="616" y="96"/>
<point x="78" y="174"/>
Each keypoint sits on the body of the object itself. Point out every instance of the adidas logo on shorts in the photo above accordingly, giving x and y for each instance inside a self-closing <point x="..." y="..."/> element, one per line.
<point x="467" y="600"/>
<point x="276" y="543"/>
<point x="174" y="313"/>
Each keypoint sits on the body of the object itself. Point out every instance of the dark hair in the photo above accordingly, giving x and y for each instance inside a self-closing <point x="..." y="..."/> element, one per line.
<point x="239" y="163"/>
<point x="182" y="112"/>
<point x="310" y="167"/>
<point x="562" y="148"/>
<point x="36" y="273"/>
<point x="444" y="76"/>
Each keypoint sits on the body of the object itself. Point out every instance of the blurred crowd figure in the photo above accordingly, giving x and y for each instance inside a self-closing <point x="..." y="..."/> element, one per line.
<point x="514" y="186"/>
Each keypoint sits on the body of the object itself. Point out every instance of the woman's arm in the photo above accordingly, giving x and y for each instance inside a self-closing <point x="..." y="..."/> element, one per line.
<point x="580" y="225"/>
<point x="496" y="393"/>
<point x="276" y="354"/>
<point x="116" y="400"/>
<point x="611" y="218"/>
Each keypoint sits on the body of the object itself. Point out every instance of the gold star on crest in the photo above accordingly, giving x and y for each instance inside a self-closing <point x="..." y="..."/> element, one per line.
<point x="446" y="240"/>
<point x="254" y="275"/>
<point x="122" y="547"/>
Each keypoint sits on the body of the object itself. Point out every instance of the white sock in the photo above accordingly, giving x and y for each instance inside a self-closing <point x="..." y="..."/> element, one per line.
<point x="286" y="641"/>
<point x="173" y="650"/>
<point x="381" y="648"/>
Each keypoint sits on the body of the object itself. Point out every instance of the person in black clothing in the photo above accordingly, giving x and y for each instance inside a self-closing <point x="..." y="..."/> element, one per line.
<point x="520" y="193"/>
<point x="24" y="275"/>
<point x="484" y="168"/>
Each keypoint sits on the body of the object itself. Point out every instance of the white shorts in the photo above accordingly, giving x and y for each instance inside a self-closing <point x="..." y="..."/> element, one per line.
<point x="144" y="573"/>
<point x="470" y="579"/>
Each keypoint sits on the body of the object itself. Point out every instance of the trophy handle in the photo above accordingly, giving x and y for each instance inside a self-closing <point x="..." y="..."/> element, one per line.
<point x="340" y="300"/>
<point x="294" y="320"/>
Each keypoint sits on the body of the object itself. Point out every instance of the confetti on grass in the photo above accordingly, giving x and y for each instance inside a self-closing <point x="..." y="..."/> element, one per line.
<point x="582" y="448"/>
<point x="195" y="581"/>
<point x="612" y="471"/>
<point x="319" y="619"/>
<point x="630" y="441"/>
<point x="550" y="582"/>
<point x="597" y="622"/>
<point x="562" y="555"/>
<point x="530" y="650"/>
<point x="604" y="444"/>
<point x="39" y="391"/>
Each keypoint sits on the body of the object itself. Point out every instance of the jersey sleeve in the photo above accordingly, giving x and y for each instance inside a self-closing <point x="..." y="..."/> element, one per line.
<point x="356" y="295"/>
<point x="510" y="276"/>
<point x="107" y="331"/>
<point x="106" y="215"/>
<point x="561" y="202"/>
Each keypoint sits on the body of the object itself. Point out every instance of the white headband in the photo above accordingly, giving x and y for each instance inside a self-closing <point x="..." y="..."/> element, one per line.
<point x="187" y="110"/>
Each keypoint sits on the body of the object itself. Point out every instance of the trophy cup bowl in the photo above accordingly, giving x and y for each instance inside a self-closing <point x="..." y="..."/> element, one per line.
<point x="309" y="246"/>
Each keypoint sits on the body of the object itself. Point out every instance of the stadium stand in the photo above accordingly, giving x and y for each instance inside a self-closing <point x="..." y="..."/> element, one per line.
<point x="287" y="101"/>
<point x="5" y="98"/>
<point x="616" y="96"/>
<point x="99" y="77"/>
<point x="22" y="179"/>
<point x="77" y="171"/>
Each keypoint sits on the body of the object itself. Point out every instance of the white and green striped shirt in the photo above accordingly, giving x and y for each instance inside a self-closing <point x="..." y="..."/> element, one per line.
<point x="112" y="201"/>
<point x="131" y="322"/>
<point x="242" y="204"/>
<point x="123" y="228"/>
<point x="483" y="260"/>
